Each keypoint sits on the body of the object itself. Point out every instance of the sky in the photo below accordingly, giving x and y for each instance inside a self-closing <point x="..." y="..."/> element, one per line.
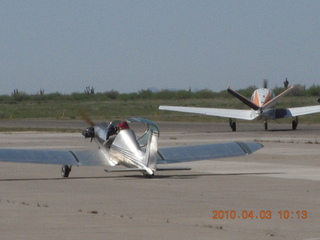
<point x="130" y="45"/>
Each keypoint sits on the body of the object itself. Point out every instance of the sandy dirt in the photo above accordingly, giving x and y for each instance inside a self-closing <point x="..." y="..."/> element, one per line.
<point x="271" y="194"/>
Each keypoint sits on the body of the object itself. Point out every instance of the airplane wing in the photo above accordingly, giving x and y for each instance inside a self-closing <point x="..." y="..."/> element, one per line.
<point x="299" y="111"/>
<point x="206" y="152"/>
<point x="96" y="157"/>
<point x="59" y="157"/>
<point x="218" y="112"/>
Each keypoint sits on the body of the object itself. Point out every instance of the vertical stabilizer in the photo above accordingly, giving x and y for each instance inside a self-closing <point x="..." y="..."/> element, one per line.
<point x="151" y="154"/>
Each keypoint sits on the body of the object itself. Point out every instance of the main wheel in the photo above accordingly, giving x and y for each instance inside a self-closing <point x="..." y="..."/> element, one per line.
<point x="65" y="171"/>
<point x="294" y="125"/>
<point x="234" y="126"/>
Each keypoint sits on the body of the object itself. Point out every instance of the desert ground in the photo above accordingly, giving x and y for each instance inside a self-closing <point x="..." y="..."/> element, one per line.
<point x="273" y="193"/>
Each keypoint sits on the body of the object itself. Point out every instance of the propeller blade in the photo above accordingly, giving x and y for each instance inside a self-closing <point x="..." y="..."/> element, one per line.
<point x="265" y="83"/>
<point x="86" y="118"/>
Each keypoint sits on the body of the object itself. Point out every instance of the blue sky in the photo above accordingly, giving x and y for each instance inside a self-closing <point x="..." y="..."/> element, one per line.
<point x="64" y="46"/>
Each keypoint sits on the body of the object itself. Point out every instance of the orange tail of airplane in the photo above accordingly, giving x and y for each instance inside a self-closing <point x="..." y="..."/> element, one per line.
<point x="261" y="98"/>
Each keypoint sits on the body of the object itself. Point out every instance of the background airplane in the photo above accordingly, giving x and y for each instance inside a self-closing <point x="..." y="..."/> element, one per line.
<point x="119" y="145"/>
<point x="262" y="105"/>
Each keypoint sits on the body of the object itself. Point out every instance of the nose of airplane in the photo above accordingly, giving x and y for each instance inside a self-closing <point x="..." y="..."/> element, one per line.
<point x="89" y="132"/>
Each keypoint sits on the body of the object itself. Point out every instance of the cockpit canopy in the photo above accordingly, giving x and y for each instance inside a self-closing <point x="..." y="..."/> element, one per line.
<point x="151" y="128"/>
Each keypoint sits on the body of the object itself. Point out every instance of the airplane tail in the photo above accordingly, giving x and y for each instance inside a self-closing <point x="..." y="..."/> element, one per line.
<point x="243" y="99"/>
<point x="151" y="155"/>
<point x="266" y="105"/>
<point x="146" y="161"/>
<point x="274" y="100"/>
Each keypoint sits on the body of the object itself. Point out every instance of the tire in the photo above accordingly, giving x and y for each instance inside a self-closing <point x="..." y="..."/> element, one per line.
<point x="65" y="171"/>
<point x="294" y="125"/>
<point x="234" y="126"/>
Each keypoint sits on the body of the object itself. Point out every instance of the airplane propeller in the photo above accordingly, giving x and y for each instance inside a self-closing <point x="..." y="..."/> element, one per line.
<point x="86" y="118"/>
<point x="265" y="83"/>
<point x="89" y="132"/>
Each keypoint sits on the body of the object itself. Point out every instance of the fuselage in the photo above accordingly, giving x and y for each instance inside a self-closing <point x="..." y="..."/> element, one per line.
<point x="121" y="148"/>
<point x="262" y="96"/>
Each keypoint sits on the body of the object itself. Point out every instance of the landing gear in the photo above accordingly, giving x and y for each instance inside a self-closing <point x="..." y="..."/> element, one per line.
<point x="265" y="125"/>
<point x="295" y="124"/>
<point x="65" y="171"/>
<point x="232" y="125"/>
<point x="148" y="175"/>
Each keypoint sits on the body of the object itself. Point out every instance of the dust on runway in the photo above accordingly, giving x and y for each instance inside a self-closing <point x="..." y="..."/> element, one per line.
<point x="35" y="202"/>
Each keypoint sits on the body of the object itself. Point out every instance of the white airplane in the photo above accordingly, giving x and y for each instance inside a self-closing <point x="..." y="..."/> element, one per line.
<point x="262" y="105"/>
<point x="118" y="145"/>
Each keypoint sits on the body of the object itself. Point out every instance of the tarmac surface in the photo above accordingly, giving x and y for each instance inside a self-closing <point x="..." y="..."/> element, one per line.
<point x="273" y="193"/>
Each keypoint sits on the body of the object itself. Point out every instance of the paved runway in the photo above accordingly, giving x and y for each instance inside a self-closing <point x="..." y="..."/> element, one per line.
<point x="271" y="194"/>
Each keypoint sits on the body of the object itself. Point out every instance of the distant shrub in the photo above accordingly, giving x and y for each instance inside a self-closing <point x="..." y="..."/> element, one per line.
<point x="128" y="96"/>
<point x="224" y="94"/>
<point x="299" y="90"/>
<point x="206" y="93"/>
<point x="18" y="96"/>
<point x="165" y="94"/>
<point x="278" y="90"/>
<point x="5" y="98"/>
<point x="89" y="90"/>
<point x="147" y="94"/>
<point x="79" y="96"/>
<point x="247" y="92"/>
<point x="313" y="91"/>
<point x="112" y="94"/>
<point x="183" y="94"/>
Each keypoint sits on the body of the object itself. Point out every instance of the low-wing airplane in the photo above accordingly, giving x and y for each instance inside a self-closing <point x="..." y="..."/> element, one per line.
<point x="262" y="105"/>
<point x="119" y="145"/>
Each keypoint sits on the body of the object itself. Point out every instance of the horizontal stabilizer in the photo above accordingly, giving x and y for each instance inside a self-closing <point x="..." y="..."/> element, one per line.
<point x="174" y="169"/>
<point x="125" y="170"/>
<point x="243" y="99"/>
<point x="274" y="100"/>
